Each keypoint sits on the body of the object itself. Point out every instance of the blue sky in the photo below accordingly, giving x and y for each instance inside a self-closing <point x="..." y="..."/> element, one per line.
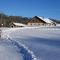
<point x="29" y="8"/>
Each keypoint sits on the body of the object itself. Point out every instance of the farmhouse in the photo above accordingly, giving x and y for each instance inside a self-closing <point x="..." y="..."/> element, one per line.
<point x="40" y="21"/>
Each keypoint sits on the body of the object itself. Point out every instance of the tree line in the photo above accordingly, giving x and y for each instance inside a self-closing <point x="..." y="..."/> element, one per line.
<point x="5" y="20"/>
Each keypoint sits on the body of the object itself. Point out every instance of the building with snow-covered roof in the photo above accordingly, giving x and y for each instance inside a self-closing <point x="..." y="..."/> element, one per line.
<point x="13" y="24"/>
<point x="41" y="21"/>
<point x="47" y="20"/>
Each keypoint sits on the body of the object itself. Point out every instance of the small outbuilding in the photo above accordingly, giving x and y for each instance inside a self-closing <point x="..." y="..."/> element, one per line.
<point x="13" y="24"/>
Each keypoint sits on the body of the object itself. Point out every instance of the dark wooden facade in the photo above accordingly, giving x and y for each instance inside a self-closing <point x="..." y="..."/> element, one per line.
<point x="36" y="20"/>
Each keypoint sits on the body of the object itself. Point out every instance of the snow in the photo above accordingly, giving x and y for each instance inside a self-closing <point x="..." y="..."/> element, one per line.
<point x="46" y="19"/>
<point x="58" y="25"/>
<point x="42" y="43"/>
<point x="8" y="51"/>
<point x="19" y="24"/>
<point x="26" y="53"/>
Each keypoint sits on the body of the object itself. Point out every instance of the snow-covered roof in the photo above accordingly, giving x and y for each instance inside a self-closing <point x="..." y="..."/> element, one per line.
<point x="47" y="20"/>
<point x="19" y="24"/>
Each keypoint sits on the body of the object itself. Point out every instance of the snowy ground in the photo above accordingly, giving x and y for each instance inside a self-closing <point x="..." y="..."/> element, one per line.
<point x="44" y="42"/>
<point x="9" y="51"/>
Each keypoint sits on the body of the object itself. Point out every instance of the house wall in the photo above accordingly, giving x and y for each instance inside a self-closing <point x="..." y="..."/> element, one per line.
<point x="41" y="24"/>
<point x="36" y="24"/>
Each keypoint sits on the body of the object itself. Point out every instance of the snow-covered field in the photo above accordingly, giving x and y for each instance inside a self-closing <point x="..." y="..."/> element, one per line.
<point x="9" y="51"/>
<point x="42" y="43"/>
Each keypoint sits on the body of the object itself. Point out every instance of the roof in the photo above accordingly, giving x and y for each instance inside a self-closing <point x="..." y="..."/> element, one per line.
<point x="36" y="19"/>
<point x="19" y="24"/>
<point x="47" y="20"/>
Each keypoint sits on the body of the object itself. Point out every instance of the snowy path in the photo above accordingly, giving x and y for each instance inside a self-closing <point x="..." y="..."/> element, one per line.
<point x="9" y="51"/>
<point x="43" y="42"/>
<point x="25" y="53"/>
